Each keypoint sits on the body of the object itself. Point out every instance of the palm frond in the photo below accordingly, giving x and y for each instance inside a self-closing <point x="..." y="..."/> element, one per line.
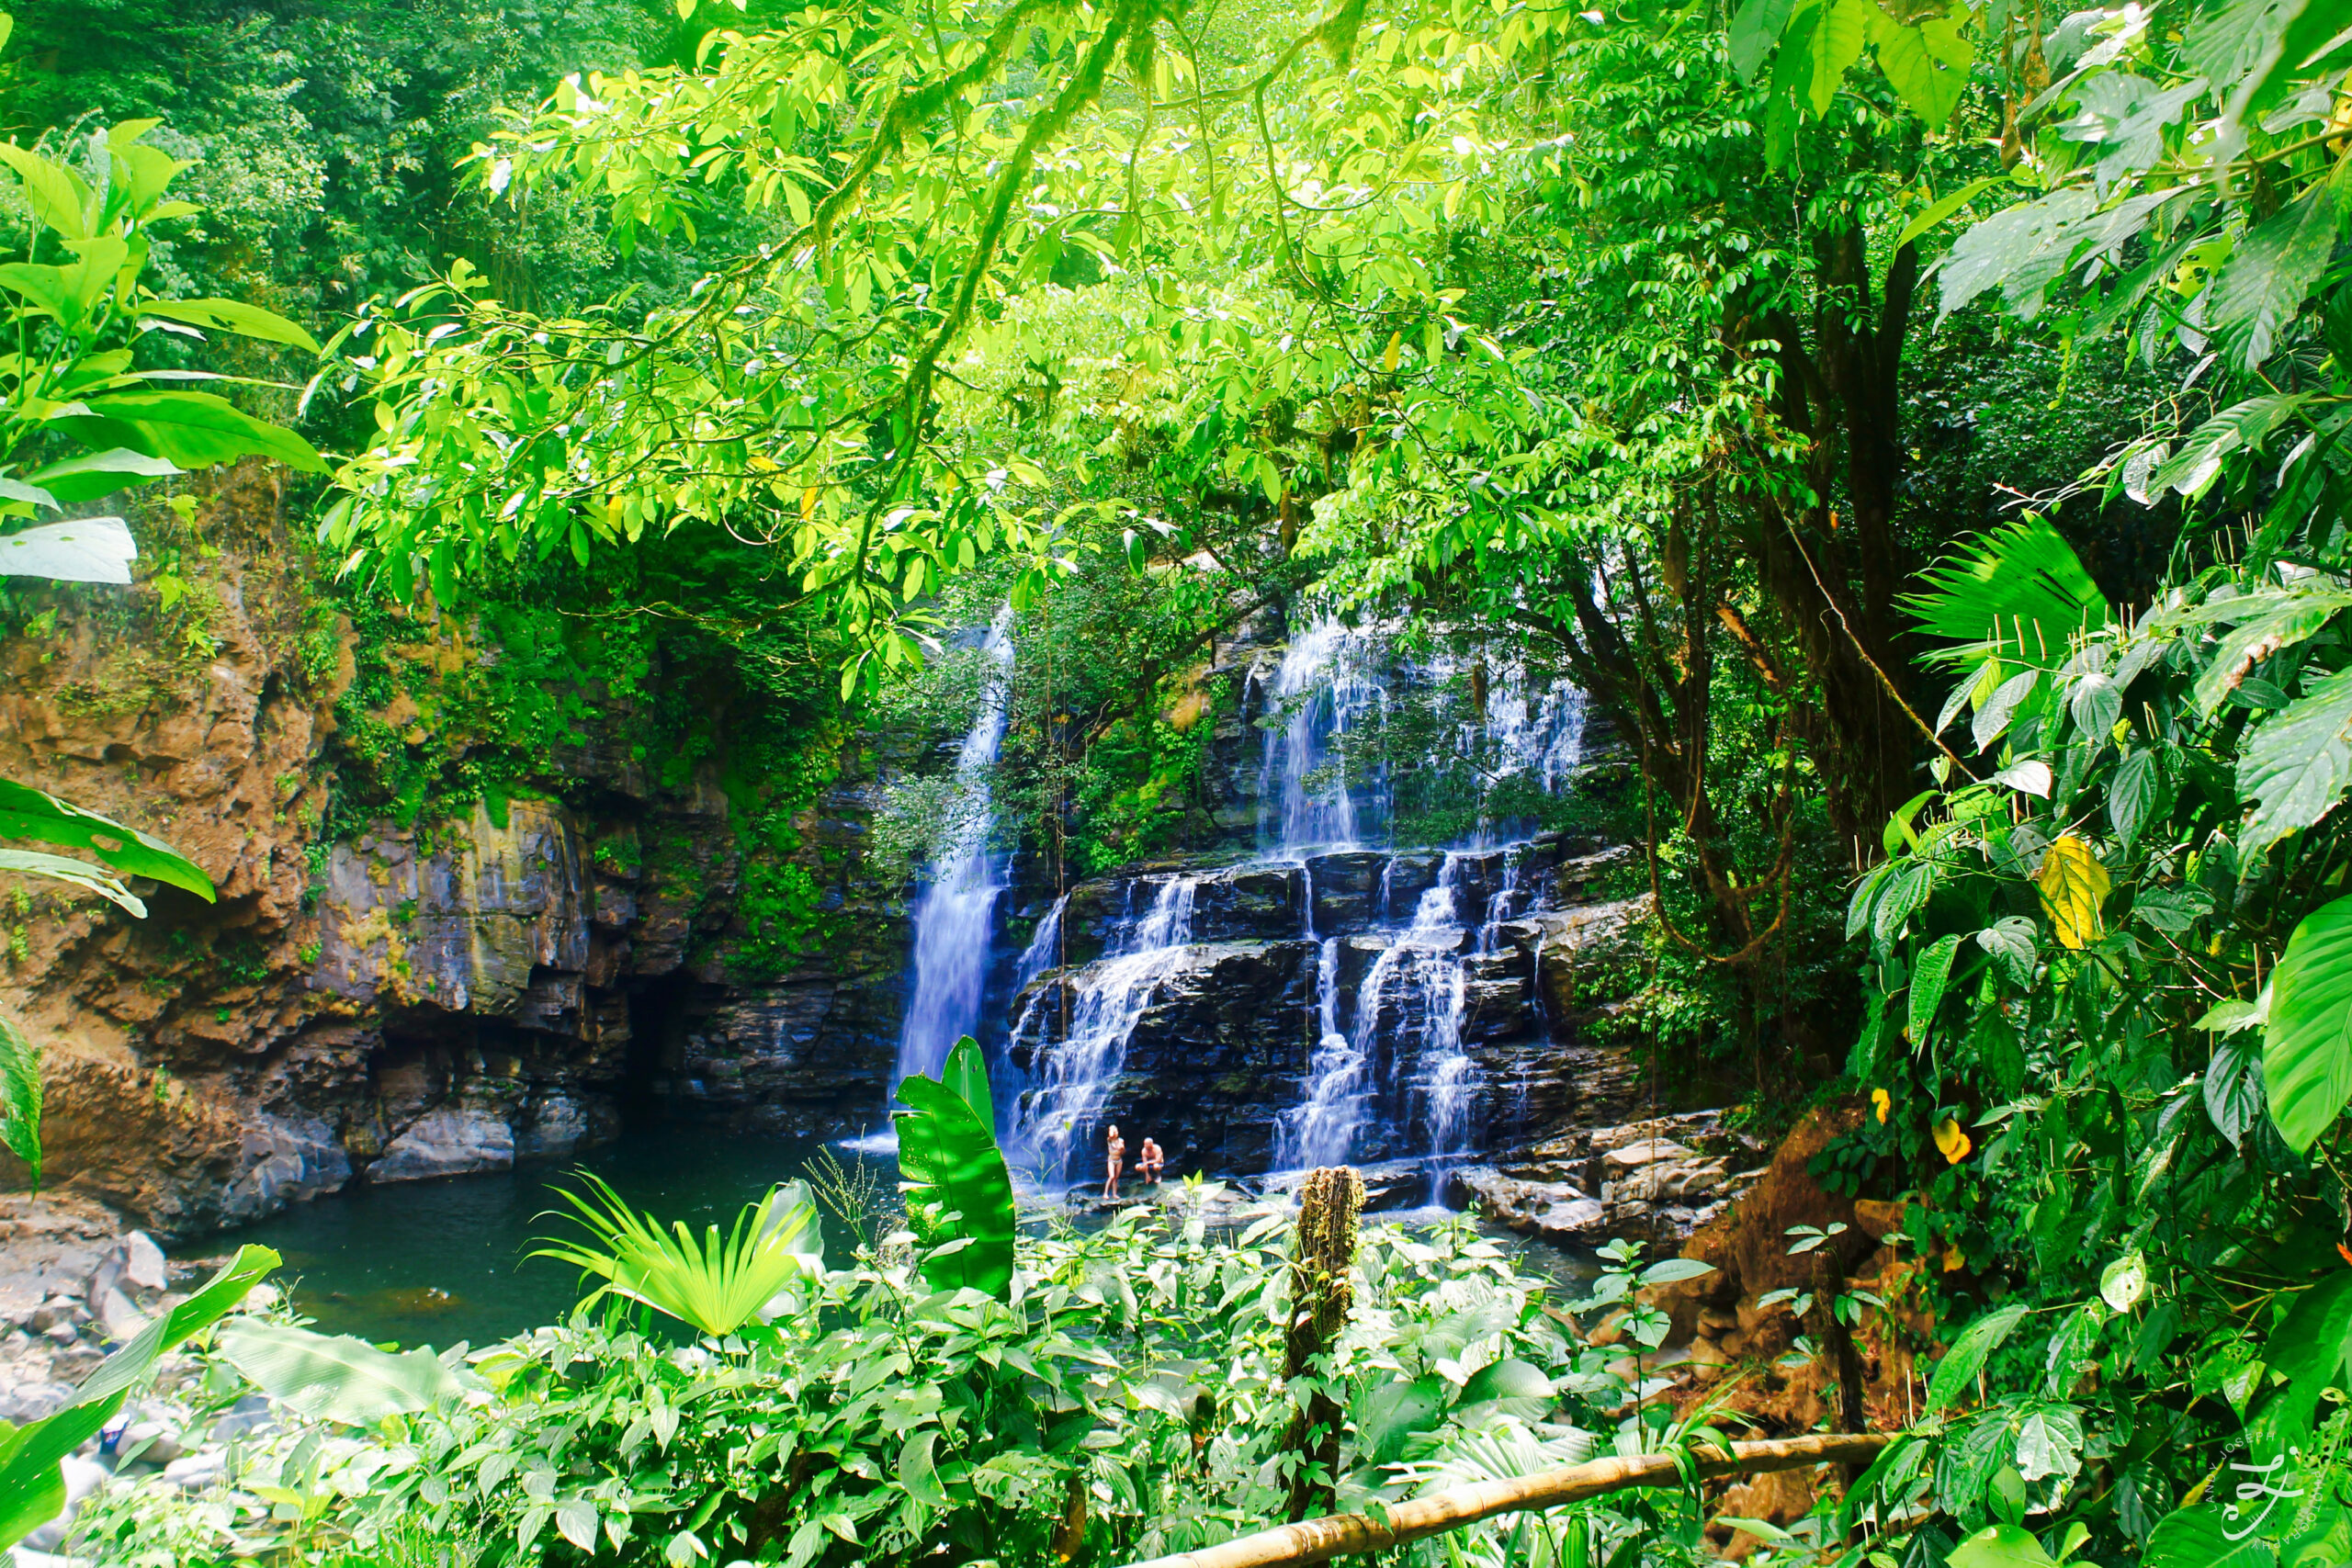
<point x="2020" y="581"/>
<point x="715" y="1282"/>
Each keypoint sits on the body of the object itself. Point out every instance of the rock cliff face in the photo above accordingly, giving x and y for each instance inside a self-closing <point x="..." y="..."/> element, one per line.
<point x="412" y="1002"/>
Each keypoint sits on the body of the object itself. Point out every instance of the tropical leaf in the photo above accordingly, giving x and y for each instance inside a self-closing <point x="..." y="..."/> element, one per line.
<point x="338" y="1378"/>
<point x="1966" y="1358"/>
<point x="194" y="430"/>
<point x="20" y="1097"/>
<point x="2306" y="1349"/>
<point x="2241" y="427"/>
<point x="31" y="1480"/>
<point x="1755" y="30"/>
<point x="88" y="475"/>
<point x="2000" y="1546"/>
<point x="87" y="549"/>
<point x="28" y="813"/>
<point x="78" y="872"/>
<point x="966" y="1075"/>
<point x="2270" y="275"/>
<point x="717" y="1283"/>
<point x="1836" y="43"/>
<point x="232" y="315"/>
<point x="2203" y="1536"/>
<point x="2073" y="885"/>
<point x="1928" y="978"/>
<point x="2307" y="1051"/>
<point x="959" y="1194"/>
<point x="2296" y="767"/>
<point x="2020" y="580"/>
<point x="1925" y="76"/>
<point x="2234" y="1089"/>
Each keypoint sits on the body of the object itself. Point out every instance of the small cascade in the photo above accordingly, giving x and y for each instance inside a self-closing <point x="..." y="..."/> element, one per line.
<point x="1040" y="954"/>
<point x="1324" y="687"/>
<point x="956" y="911"/>
<point x="1322" y="1129"/>
<point x="1073" y="1075"/>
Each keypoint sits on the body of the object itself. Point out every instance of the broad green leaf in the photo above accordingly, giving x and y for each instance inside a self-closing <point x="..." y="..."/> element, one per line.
<point x="335" y="1378"/>
<point x="2307" y="1348"/>
<point x="2241" y="427"/>
<point x="1394" y="1412"/>
<point x="20" y="1097"/>
<point x="957" y="1188"/>
<point x="57" y="196"/>
<point x="1990" y="253"/>
<point x="87" y="549"/>
<point x="2202" y="1536"/>
<point x="2297" y="765"/>
<point x="575" y="1520"/>
<point x="28" y="813"/>
<point x="1755" y="30"/>
<point x="2010" y="939"/>
<point x="1673" y="1271"/>
<point x="1836" y="43"/>
<point x="2271" y="273"/>
<point x="194" y="430"/>
<point x="2234" y="1089"/>
<point x="2132" y="794"/>
<point x="232" y="315"/>
<point x="2073" y="885"/>
<point x="966" y="1075"/>
<point x="917" y="1472"/>
<point x="1956" y="1374"/>
<point x="2307" y="1051"/>
<point x="1929" y="84"/>
<point x="2000" y="1546"/>
<point x="1928" y="978"/>
<point x="88" y="475"/>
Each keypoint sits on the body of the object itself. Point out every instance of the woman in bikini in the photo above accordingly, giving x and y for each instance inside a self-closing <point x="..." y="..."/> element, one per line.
<point x="1118" y="1156"/>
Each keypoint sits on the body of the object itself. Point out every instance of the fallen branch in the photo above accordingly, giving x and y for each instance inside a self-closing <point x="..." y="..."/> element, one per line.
<point x="1337" y="1535"/>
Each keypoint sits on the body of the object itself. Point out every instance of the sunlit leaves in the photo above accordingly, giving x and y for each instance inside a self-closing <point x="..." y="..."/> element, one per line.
<point x="2073" y="885"/>
<point x="2307" y="1052"/>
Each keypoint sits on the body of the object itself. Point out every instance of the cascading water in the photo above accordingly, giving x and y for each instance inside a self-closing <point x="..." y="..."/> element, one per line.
<point x="1409" y="1007"/>
<point x="1326" y="692"/>
<point x="1074" y="1076"/>
<point x="956" y="910"/>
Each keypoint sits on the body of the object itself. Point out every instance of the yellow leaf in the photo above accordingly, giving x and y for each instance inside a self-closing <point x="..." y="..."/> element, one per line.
<point x="2073" y="885"/>
<point x="1954" y="1260"/>
<point x="1953" y="1143"/>
<point x="808" y="503"/>
<point x="1390" y="354"/>
<point x="1880" y="1099"/>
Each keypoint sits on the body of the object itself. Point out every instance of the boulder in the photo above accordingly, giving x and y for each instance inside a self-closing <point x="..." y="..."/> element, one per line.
<point x="1556" y="1210"/>
<point x="448" y="1141"/>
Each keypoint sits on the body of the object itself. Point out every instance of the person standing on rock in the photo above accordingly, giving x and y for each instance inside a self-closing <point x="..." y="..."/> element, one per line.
<point x="1150" y="1161"/>
<point x="1118" y="1156"/>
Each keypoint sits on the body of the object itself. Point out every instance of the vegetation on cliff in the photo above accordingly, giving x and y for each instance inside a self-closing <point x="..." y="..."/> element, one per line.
<point x="1689" y="348"/>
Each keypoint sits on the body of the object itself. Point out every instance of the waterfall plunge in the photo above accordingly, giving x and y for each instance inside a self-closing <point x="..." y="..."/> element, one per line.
<point x="957" y="909"/>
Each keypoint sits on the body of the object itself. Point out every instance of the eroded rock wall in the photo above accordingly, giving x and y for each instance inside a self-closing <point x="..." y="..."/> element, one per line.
<point x="453" y="995"/>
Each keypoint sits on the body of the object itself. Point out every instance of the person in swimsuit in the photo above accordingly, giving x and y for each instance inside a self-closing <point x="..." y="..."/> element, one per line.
<point x="1149" y="1163"/>
<point x="1118" y="1158"/>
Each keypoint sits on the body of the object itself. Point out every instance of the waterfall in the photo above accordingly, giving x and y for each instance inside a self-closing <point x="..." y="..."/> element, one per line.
<point x="1326" y="693"/>
<point x="1401" y="1064"/>
<point x="1322" y="1129"/>
<point x="956" y="910"/>
<point x="1073" y="1077"/>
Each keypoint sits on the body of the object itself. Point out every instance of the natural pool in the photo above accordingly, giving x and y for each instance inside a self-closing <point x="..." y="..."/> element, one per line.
<point x="435" y="1262"/>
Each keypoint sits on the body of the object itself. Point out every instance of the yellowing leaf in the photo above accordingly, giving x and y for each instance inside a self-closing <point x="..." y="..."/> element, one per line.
<point x="1389" y="355"/>
<point x="1952" y="1142"/>
<point x="1879" y="1101"/>
<point x="1954" y="1261"/>
<point x="2073" y="885"/>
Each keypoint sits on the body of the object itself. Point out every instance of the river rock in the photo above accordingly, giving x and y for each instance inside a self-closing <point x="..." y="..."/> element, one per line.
<point x="448" y="1141"/>
<point x="1556" y="1210"/>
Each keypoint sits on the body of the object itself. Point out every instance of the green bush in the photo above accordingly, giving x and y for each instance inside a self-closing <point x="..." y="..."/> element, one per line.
<point x="1126" y="1399"/>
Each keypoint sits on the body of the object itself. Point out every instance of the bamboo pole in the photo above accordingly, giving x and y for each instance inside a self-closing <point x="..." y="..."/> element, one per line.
<point x="1337" y="1535"/>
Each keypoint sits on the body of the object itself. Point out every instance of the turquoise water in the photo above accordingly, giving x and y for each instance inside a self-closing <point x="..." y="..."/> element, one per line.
<point x="434" y="1262"/>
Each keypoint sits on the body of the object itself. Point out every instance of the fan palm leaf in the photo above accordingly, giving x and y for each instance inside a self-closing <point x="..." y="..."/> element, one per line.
<point x="2021" y="580"/>
<point x="715" y="1282"/>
